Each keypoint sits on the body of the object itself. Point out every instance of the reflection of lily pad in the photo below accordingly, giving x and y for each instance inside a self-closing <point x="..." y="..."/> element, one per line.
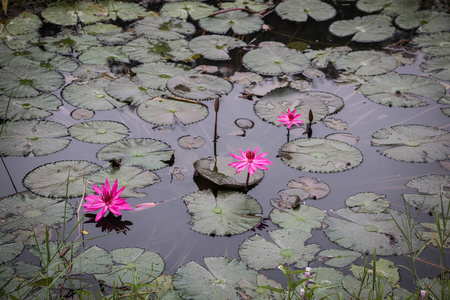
<point x="164" y="28"/>
<point x="215" y="47"/>
<point x="413" y="143"/>
<point x="304" y="218"/>
<point x="239" y="21"/>
<point x="183" y="9"/>
<point x="433" y="191"/>
<point x="338" y="258"/>
<point x="366" y="62"/>
<point x="198" y="86"/>
<point x="299" y="10"/>
<point x="320" y="155"/>
<point x="372" y="28"/>
<point x="427" y="21"/>
<point x="367" y="203"/>
<point x="99" y="132"/>
<point x="227" y="214"/>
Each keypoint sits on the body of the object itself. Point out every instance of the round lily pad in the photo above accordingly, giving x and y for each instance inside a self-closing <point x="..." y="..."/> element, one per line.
<point x="275" y="61"/>
<point x="246" y="78"/>
<point x="155" y="75"/>
<point x="367" y="203"/>
<point x="238" y="21"/>
<point x="38" y="107"/>
<point x="413" y="143"/>
<point x="9" y="251"/>
<point x="227" y="214"/>
<point x="145" y="152"/>
<point x="366" y="63"/>
<point x="69" y="13"/>
<point x="320" y="155"/>
<point x="99" y="132"/>
<point x="299" y="10"/>
<point x="434" y="44"/>
<point x="255" y="291"/>
<point x="335" y="124"/>
<point x="218" y="171"/>
<point x="253" y="5"/>
<point x="35" y="236"/>
<point x="214" y="46"/>
<point x="164" y="28"/>
<point x="338" y="258"/>
<point x="101" y="54"/>
<point x="196" y="10"/>
<point x="373" y="28"/>
<point x="33" y="138"/>
<point x="426" y="21"/>
<point x="439" y="66"/>
<point x="388" y="7"/>
<point x="125" y="11"/>
<point x="125" y="90"/>
<point x="304" y="218"/>
<point x="432" y="193"/>
<point x="316" y="188"/>
<point x="65" y="42"/>
<point x="24" y="23"/>
<point x="57" y="179"/>
<point x="198" y="86"/>
<point x="190" y="142"/>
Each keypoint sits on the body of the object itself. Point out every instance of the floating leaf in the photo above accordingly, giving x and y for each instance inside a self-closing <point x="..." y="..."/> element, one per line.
<point x="101" y="28"/>
<point x="299" y="10"/>
<point x="244" y="123"/>
<point x="320" y="155"/>
<point x="433" y="192"/>
<point x="38" y="107"/>
<point x="227" y="214"/>
<point x="215" y="47"/>
<point x="190" y="142"/>
<point x="434" y="44"/>
<point x="164" y="28"/>
<point x="125" y="90"/>
<point x="256" y="291"/>
<point x="218" y="171"/>
<point x="198" y="86"/>
<point x="24" y="23"/>
<point x="388" y="7"/>
<point x="364" y="289"/>
<point x="86" y="71"/>
<point x="6" y="273"/>
<point x="10" y="251"/>
<point x="335" y="124"/>
<point x="99" y="132"/>
<point x="289" y="198"/>
<point x="148" y="153"/>
<point x="218" y="280"/>
<point x="37" y="235"/>
<point x="60" y="178"/>
<point x="367" y="203"/>
<point x="413" y="143"/>
<point x="430" y="236"/>
<point x="65" y="42"/>
<point x="165" y="111"/>
<point x="239" y="22"/>
<point x="316" y="188"/>
<point x="20" y="41"/>
<point x="373" y="28"/>
<point x="35" y="138"/>
<point x="338" y="258"/>
<point x="253" y="5"/>
<point x="275" y="61"/>
<point x="305" y="218"/>
<point x="343" y="137"/>
<point x="69" y="13"/>
<point x="426" y="21"/>
<point x="125" y="11"/>
<point x="120" y="38"/>
<point x="82" y="113"/>
<point x="384" y="268"/>
<point x="330" y="281"/>
<point x="130" y="262"/>
<point x="439" y="66"/>
<point x="155" y="75"/>
<point x="289" y="248"/>
<point x="364" y="63"/>
<point x="100" y="54"/>
<point x="207" y="69"/>
<point x="366" y="232"/>
<point x="183" y="9"/>
<point x="246" y="78"/>
<point x="321" y="58"/>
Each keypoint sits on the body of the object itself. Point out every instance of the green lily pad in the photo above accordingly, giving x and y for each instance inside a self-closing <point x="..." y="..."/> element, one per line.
<point x="82" y="113"/>
<point x="124" y="11"/>
<point x="366" y="232"/>
<point x="218" y="171"/>
<point x="426" y="21"/>
<point x="90" y="95"/>
<point x="34" y="236"/>
<point x="218" y="280"/>
<point x="6" y="273"/>
<point x="120" y="38"/>
<point x="38" y="107"/>
<point x="434" y="44"/>
<point x="432" y="192"/>
<point x="24" y="23"/>
<point x="305" y="218"/>
<point x="155" y="75"/>
<point x="256" y="291"/>
<point x="384" y="268"/>
<point x="330" y="281"/>
<point x="215" y="47"/>
<point x="227" y="214"/>
<point x="239" y="22"/>
<point x="9" y="250"/>
<point x="183" y="9"/>
<point x="198" y="86"/>
<point x="70" y="13"/>
<point x="33" y="138"/>
<point x="190" y="142"/>
<point x="65" y="42"/>
<point x="388" y="7"/>
<point x="99" y="132"/>
<point x="100" y="54"/>
<point x="299" y="10"/>
<point x="364" y="63"/>
<point x="439" y="66"/>
<point x="373" y="28"/>
<point x="145" y="152"/>
<point x="128" y="176"/>
<point x="413" y="143"/>
<point x="130" y="262"/>
<point x="321" y="58"/>
<point x="320" y="155"/>
<point x="101" y="28"/>
<point x="20" y="41"/>
<point x="253" y="5"/>
<point x="55" y="179"/>
<point x="289" y="198"/>
<point x="364" y="289"/>
<point x="275" y="61"/>
<point x="432" y="236"/>
<point x="166" y="111"/>
<point x="338" y="258"/>
<point x="368" y="203"/>
<point x="246" y="78"/>
<point x="24" y="211"/>
<point x="164" y="28"/>
<point x="289" y="248"/>
<point x="343" y="137"/>
<point x="401" y="90"/>
<point x="125" y="90"/>
<point x="316" y="188"/>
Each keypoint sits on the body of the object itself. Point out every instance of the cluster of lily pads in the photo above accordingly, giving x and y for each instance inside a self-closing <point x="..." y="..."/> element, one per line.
<point x="109" y="54"/>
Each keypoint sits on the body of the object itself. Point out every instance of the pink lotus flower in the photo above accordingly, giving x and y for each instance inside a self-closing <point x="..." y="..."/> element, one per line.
<point x="107" y="199"/>
<point x="290" y="118"/>
<point x="250" y="159"/>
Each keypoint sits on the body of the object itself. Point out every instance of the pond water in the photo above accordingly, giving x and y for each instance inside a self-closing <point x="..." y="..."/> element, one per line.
<point x="166" y="228"/>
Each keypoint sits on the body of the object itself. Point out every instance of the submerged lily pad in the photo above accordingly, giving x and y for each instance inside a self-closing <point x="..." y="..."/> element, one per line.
<point x="372" y="28"/>
<point x="38" y="107"/>
<point x="289" y="248"/>
<point x="275" y="61"/>
<point x="413" y="143"/>
<point x="320" y="155"/>
<point x="148" y="153"/>
<point x="70" y="13"/>
<point x="426" y="21"/>
<point x="199" y="86"/>
<point x="388" y="7"/>
<point x="57" y="179"/>
<point x="218" y="280"/>
<point x="164" y="28"/>
<point x="367" y="203"/>
<point x="439" y="66"/>
<point x="299" y="10"/>
<point x="155" y="75"/>
<point x="366" y="63"/>
<point x="99" y="132"/>
<point x="215" y="47"/>
<point x="304" y="218"/>
<point x="24" y="211"/>
<point x="435" y="44"/>
<point x="239" y="22"/>
<point x="227" y="214"/>
<point x="432" y="192"/>
<point x="338" y="258"/>
<point x="183" y="9"/>
<point x="164" y="112"/>
<point x="33" y="138"/>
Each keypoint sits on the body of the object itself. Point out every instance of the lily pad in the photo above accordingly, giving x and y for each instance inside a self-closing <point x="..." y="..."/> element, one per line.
<point x="130" y="262"/>
<point x="99" y="132"/>
<point x="434" y="44"/>
<point x="289" y="198"/>
<point x="366" y="232"/>
<point x="6" y="274"/>
<point x="305" y="218"/>
<point x="33" y="138"/>
<point x="321" y="58"/>
<point x="275" y="61"/>
<point x="183" y="9"/>
<point x="364" y="63"/>
<point x="363" y="288"/>
<point x="426" y="21"/>
<point x="343" y="137"/>
<point x="65" y="42"/>
<point x="227" y="214"/>
<point x="218" y="279"/>
<point x="190" y="142"/>
<point x="24" y="23"/>
<point x="432" y="235"/>
<point x="101" y="28"/>
<point x="439" y="66"/>
<point x="145" y="152"/>
<point x="215" y="47"/>
<point x="253" y="5"/>
<point x="373" y="28"/>
<point x="125" y="90"/>
<point x="57" y="179"/>
<point x="320" y="155"/>
<point x="20" y="41"/>
<point x="100" y="54"/>
<point x="338" y="258"/>
<point x="335" y="124"/>
<point x="388" y="7"/>
<point x="164" y="28"/>
<point x="385" y="269"/>
<point x="124" y="11"/>
<point x="88" y="72"/>
<point x="38" y="107"/>
<point x="218" y="171"/>
<point x="256" y="291"/>
<point x="24" y="211"/>
<point x="246" y="78"/>
<point x="368" y="203"/>
<point x="37" y="235"/>
<point x="198" y="86"/>
<point x="401" y="90"/>
<point x="10" y="251"/>
<point x="155" y="75"/>
<point x="165" y="111"/>
<point x="289" y="248"/>
<point x="316" y="188"/>
<point x="433" y="192"/>
<point x="239" y="22"/>
<point x="299" y="10"/>
<point x="70" y="13"/>
<point x="413" y="143"/>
